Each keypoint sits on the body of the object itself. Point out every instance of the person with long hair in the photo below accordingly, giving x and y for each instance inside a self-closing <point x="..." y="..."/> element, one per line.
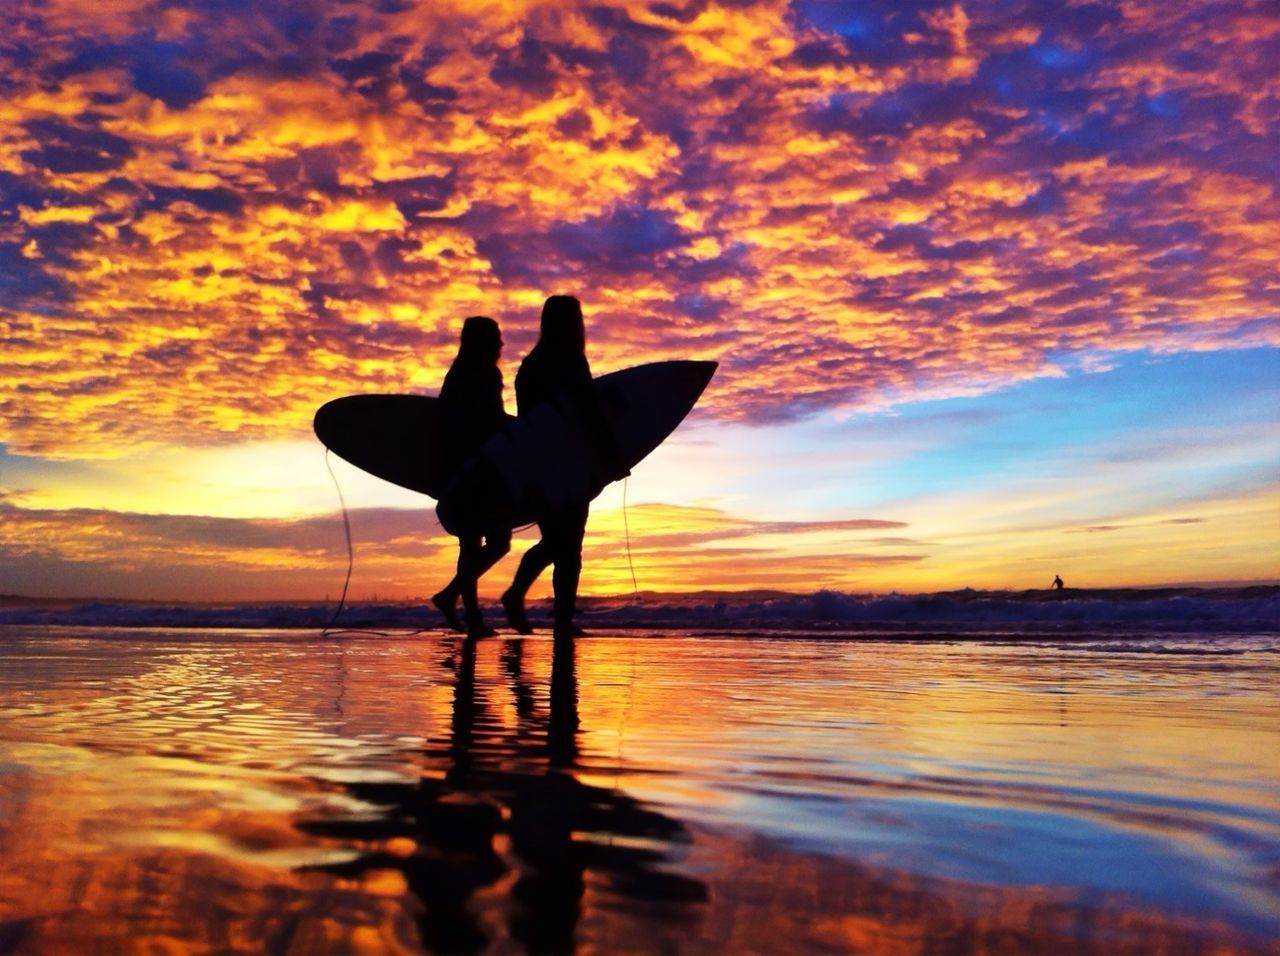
<point x="558" y="365"/>
<point x="471" y="411"/>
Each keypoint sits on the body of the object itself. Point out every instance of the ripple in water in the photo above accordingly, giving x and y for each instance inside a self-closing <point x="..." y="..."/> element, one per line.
<point x="241" y="792"/>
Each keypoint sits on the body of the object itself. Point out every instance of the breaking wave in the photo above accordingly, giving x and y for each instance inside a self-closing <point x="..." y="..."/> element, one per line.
<point x="1178" y="611"/>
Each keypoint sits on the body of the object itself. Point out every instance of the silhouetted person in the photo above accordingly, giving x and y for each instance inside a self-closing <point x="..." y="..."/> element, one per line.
<point x="471" y="411"/>
<point x="1057" y="583"/>
<point x="558" y="365"/>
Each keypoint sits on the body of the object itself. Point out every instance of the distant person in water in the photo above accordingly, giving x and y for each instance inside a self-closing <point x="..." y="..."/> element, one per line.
<point x="558" y="365"/>
<point x="1057" y="583"/>
<point x="471" y="411"/>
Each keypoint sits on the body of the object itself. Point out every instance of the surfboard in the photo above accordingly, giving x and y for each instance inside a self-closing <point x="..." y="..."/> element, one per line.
<point x="548" y="459"/>
<point x="394" y="437"/>
<point x="535" y="464"/>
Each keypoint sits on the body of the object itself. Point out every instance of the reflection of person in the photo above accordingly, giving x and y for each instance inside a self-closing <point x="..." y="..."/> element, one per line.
<point x="558" y="365"/>
<point x="1057" y="583"/>
<point x="495" y="780"/>
<point x="471" y="411"/>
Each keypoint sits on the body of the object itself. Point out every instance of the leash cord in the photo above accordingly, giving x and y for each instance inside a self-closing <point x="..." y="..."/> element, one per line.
<point x="329" y="630"/>
<point x="626" y="528"/>
<point x="351" y="554"/>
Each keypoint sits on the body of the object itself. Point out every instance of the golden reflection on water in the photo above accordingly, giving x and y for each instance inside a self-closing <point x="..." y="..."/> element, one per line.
<point x="172" y="792"/>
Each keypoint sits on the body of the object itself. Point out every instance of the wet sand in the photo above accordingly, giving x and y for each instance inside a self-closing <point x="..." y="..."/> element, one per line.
<point x="235" y="791"/>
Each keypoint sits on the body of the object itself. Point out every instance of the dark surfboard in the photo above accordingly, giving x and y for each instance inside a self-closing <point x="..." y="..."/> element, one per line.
<point x="394" y="437"/>
<point x="543" y="455"/>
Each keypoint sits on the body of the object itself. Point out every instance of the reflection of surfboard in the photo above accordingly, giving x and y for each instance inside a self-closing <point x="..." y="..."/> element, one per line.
<point x="539" y="460"/>
<point x="547" y="459"/>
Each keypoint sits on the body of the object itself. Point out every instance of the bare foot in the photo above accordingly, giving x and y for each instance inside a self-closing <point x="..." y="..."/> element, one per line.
<point x="447" y="605"/>
<point x="478" y="628"/>
<point x="514" y="606"/>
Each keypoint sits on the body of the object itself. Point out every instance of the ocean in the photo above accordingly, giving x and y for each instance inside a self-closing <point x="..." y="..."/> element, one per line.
<point x="1017" y="787"/>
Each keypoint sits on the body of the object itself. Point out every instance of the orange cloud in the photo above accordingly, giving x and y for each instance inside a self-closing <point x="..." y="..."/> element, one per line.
<point x="402" y="554"/>
<point x="209" y="224"/>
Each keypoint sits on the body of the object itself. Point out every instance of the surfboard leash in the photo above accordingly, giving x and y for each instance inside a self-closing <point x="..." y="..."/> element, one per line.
<point x="329" y="630"/>
<point x="351" y="554"/>
<point x="626" y="529"/>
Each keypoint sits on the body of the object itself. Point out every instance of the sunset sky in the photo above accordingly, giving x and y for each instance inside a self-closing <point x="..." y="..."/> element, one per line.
<point x="993" y="286"/>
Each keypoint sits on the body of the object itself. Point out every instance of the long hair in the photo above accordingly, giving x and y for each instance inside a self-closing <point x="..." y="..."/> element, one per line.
<point x="481" y="340"/>
<point x="562" y="328"/>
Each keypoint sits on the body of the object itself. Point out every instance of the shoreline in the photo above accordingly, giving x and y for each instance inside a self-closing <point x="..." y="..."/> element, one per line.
<point x="1161" y="641"/>
<point x="693" y="598"/>
<point x="1081" y="612"/>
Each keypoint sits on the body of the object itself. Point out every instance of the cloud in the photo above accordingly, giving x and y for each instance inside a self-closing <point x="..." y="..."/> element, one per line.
<point x="671" y="527"/>
<point x="215" y="217"/>
<point x="402" y="553"/>
<point x="66" y="148"/>
<point x="86" y="552"/>
<point x="627" y="240"/>
<point x="682" y="548"/>
<point x="1097" y="528"/>
<point x="62" y="531"/>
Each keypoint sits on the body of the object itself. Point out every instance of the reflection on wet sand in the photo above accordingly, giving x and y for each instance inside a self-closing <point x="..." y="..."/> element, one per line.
<point x="248" y="793"/>
<point x="497" y="804"/>
<point x="823" y="904"/>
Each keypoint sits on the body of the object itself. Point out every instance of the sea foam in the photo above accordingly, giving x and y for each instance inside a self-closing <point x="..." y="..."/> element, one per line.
<point x="1182" y="611"/>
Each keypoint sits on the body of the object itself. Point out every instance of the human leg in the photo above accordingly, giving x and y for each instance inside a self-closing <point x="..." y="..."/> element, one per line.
<point x="474" y="559"/>
<point x="570" y="529"/>
<point x="446" y="599"/>
<point x="497" y="544"/>
<point x="532" y="564"/>
<point x="470" y="558"/>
